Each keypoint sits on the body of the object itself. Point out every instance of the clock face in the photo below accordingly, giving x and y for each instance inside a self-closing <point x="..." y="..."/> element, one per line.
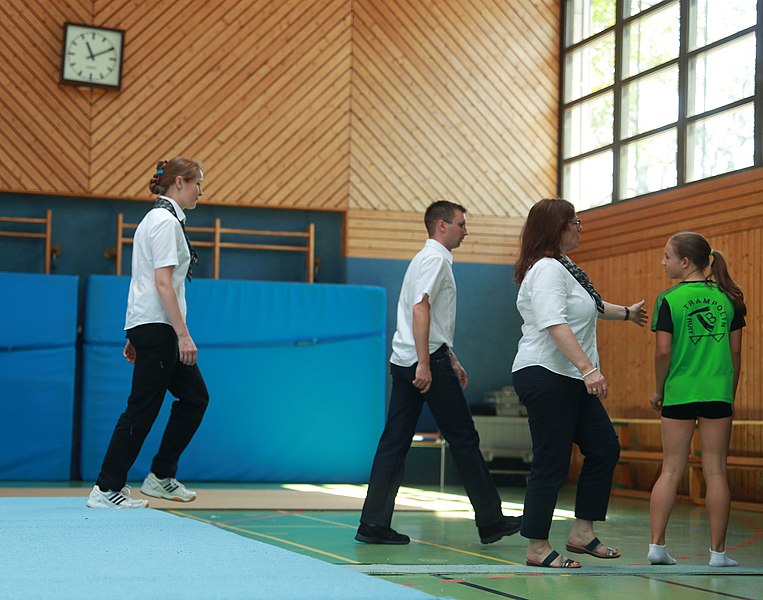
<point x="92" y="56"/>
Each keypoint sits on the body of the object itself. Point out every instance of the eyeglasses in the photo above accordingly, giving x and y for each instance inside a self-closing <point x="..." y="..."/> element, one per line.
<point x="462" y="224"/>
<point x="576" y="222"/>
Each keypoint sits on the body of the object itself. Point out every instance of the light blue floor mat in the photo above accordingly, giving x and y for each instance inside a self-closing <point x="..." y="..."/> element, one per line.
<point x="58" y="548"/>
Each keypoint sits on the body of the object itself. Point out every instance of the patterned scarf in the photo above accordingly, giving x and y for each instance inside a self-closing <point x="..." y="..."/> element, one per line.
<point x="164" y="203"/>
<point x="582" y="279"/>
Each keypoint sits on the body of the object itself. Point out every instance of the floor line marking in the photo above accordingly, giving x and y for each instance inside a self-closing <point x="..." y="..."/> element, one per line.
<point x="483" y="588"/>
<point x="694" y="587"/>
<point x="263" y="535"/>
<point x="441" y="546"/>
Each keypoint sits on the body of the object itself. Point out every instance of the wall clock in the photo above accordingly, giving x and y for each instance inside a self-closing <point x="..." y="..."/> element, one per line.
<point x="92" y="56"/>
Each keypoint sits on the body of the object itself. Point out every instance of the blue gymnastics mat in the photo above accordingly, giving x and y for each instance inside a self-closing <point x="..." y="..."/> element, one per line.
<point x="58" y="548"/>
<point x="38" y="336"/>
<point x="295" y="372"/>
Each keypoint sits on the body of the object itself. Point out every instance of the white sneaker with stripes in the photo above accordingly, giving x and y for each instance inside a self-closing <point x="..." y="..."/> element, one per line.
<point x="114" y="499"/>
<point x="168" y="488"/>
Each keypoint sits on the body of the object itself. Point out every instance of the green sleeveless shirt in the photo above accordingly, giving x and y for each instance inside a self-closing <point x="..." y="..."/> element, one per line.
<point x="699" y="317"/>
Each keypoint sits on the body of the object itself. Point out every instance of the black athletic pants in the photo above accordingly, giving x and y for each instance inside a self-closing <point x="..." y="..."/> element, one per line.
<point x="157" y="370"/>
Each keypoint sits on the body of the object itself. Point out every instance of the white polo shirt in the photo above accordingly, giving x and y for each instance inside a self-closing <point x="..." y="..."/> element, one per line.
<point x="431" y="273"/>
<point x="550" y="295"/>
<point x="158" y="242"/>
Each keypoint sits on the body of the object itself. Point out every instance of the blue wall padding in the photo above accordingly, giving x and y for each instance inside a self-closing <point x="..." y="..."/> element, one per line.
<point x="38" y="333"/>
<point x="296" y="376"/>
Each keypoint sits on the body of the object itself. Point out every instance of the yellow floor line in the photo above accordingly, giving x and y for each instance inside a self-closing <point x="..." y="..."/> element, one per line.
<point x="263" y="535"/>
<point x="461" y="551"/>
<point x="442" y="547"/>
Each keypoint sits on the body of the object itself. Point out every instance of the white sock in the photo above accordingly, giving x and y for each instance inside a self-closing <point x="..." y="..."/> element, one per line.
<point x="658" y="555"/>
<point x="719" y="559"/>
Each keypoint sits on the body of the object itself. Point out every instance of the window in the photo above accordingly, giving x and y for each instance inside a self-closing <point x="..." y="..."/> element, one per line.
<point x="657" y="94"/>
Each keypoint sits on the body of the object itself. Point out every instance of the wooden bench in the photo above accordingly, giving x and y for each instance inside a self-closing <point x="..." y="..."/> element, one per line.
<point x="694" y="464"/>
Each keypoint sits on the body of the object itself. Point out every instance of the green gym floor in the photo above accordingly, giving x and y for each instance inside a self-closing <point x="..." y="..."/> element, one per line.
<point x="446" y="559"/>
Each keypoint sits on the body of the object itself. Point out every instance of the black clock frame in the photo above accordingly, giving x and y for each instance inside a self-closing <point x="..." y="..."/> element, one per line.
<point x="77" y="82"/>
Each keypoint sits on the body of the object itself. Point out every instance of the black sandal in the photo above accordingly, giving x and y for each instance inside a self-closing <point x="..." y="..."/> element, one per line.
<point x="567" y="563"/>
<point x="590" y="548"/>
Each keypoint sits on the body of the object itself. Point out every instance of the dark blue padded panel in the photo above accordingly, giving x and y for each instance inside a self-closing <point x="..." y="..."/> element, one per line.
<point x="38" y="329"/>
<point x="37" y="310"/>
<point x="296" y="375"/>
<point x="36" y="414"/>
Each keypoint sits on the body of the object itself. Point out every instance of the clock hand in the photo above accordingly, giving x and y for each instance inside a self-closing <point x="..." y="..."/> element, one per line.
<point x="102" y="52"/>
<point x="90" y="50"/>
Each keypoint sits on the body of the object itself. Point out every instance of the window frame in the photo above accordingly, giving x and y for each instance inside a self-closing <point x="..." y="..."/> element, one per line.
<point x="683" y="121"/>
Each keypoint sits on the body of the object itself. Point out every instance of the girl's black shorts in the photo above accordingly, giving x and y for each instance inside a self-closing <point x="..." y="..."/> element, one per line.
<point x="694" y="410"/>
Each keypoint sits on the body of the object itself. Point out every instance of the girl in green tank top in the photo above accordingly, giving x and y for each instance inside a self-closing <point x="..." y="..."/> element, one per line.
<point x="698" y="324"/>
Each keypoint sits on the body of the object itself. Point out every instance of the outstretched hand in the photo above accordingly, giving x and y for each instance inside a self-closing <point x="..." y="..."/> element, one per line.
<point x="638" y="313"/>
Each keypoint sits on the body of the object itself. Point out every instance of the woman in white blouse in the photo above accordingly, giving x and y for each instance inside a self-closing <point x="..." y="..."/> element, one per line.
<point x="557" y="377"/>
<point x="159" y="346"/>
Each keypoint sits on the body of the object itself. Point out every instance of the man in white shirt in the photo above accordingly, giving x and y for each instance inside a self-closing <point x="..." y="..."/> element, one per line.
<point x="425" y="369"/>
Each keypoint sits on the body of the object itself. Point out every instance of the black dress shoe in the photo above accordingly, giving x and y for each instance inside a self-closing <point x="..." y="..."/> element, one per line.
<point x="378" y="534"/>
<point x="507" y="526"/>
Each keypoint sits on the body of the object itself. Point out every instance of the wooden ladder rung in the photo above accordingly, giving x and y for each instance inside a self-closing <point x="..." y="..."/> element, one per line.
<point x="217" y="244"/>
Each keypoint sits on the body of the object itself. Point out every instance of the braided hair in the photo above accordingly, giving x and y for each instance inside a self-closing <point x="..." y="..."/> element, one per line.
<point x="167" y="170"/>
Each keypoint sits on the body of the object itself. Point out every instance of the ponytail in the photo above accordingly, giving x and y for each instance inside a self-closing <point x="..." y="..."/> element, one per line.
<point x="721" y="276"/>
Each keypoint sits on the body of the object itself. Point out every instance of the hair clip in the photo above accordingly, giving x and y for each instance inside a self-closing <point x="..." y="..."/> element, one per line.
<point x="160" y="171"/>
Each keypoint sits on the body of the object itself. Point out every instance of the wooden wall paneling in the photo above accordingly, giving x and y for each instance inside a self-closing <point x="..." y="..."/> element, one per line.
<point x="257" y="91"/>
<point x="413" y="48"/>
<point x="13" y="147"/>
<point x="52" y="15"/>
<point x="315" y="173"/>
<point x="437" y="155"/>
<point x="266" y="72"/>
<point x="721" y="204"/>
<point x="131" y="127"/>
<point x="474" y="77"/>
<point x="164" y="97"/>
<point x="749" y="276"/>
<point x="400" y="235"/>
<point x="383" y="139"/>
<point x="381" y="145"/>
<point x="520" y="73"/>
<point x="540" y="17"/>
<point x="384" y="234"/>
<point x="715" y="222"/>
<point x="106" y="10"/>
<point x="299" y="100"/>
<point x="289" y="105"/>
<point x="302" y="126"/>
<point x="500" y="71"/>
<point x="491" y="240"/>
<point x="254" y="125"/>
<point x="41" y="128"/>
<point x="451" y="100"/>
